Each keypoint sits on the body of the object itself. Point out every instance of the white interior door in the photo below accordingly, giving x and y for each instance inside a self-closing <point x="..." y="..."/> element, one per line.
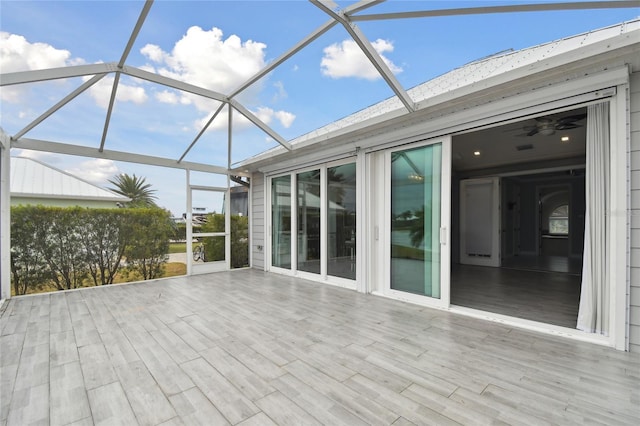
<point x="480" y="221"/>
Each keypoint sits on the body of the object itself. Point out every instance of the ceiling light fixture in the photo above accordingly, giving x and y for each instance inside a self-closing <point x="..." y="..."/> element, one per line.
<point x="476" y="153"/>
<point x="564" y="139"/>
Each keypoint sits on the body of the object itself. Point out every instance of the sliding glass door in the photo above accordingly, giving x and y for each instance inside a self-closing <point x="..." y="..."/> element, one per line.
<point x="281" y="222"/>
<point x="308" y="209"/>
<point x="341" y="221"/>
<point x="417" y="238"/>
<point x="322" y="213"/>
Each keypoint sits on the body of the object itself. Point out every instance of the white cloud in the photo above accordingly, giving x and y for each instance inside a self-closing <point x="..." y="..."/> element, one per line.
<point x="207" y="59"/>
<point x="285" y="118"/>
<point x="167" y="97"/>
<point x="265" y="114"/>
<point x="346" y="59"/>
<point x="281" y="93"/>
<point x="18" y="54"/>
<point x="97" y="171"/>
<point x="45" y="157"/>
<point x="101" y="92"/>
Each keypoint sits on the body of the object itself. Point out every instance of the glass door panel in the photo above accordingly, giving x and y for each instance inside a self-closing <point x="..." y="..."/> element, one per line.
<point x="415" y="220"/>
<point x="341" y="221"/>
<point x="308" y="208"/>
<point x="281" y="222"/>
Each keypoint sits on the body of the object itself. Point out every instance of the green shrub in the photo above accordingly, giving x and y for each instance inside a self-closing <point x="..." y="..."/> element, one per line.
<point x="73" y="247"/>
<point x="214" y="246"/>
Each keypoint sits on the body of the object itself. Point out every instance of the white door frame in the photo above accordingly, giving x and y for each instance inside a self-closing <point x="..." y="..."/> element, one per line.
<point x="215" y="266"/>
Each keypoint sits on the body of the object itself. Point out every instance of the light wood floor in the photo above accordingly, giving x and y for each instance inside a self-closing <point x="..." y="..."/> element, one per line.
<point x="548" y="297"/>
<point x="251" y="348"/>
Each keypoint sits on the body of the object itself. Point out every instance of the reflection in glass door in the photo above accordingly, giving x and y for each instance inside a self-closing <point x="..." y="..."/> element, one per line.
<point x="341" y="218"/>
<point x="415" y="220"/>
<point x="281" y="222"/>
<point x="308" y="208"/>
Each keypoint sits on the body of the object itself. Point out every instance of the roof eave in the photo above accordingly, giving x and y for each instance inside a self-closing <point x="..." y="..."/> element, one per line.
<point x="624" y="45"/>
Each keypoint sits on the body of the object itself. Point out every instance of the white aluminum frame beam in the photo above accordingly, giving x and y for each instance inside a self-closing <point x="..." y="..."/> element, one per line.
<point x="204" y="129"/>
<point x="59" y="105"/>
<point x="135" y="32"/>
<point x="35" y="76"/>
<point x="123" y="58"/>
<point x="538" y="7"/>
<point x="5" y="216"/>
<point x="84" y="151"/>
<point x="302" y="44"/>
<point x="112" y="101"/>
<point x="367" y="48"/>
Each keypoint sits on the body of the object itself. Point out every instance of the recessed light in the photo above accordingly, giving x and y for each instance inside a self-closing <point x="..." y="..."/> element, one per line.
<point x="565" y="139"/>
<point x="476" y="153"/>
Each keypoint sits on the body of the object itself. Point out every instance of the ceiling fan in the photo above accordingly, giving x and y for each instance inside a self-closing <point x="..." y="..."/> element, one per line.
<point x="548" y="126"/>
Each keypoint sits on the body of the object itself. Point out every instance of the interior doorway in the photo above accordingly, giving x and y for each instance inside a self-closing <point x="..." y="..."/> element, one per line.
<point x="538" y="169"/>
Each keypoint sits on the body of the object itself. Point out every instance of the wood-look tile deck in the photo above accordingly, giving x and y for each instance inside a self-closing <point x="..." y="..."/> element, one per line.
<point x="251" y="348"/>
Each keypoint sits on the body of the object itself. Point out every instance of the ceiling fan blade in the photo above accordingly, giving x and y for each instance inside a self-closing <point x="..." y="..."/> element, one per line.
<point x="567" y="126"/>
<point x="533" y="132"/>
<point x="572" y="119"/>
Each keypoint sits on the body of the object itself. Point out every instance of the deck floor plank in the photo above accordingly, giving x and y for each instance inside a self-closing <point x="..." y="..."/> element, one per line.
<point x="252" y="348"/>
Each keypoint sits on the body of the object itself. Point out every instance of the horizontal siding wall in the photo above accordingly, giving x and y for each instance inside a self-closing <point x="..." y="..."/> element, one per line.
<point x="634" y="309"/>
<point x="257" y="220"/>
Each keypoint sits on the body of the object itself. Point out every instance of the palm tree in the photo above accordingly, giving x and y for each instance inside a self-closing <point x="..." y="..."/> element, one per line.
<point x="135" y="188"/>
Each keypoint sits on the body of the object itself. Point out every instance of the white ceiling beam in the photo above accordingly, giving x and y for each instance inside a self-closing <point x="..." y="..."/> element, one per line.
<point x="229" y="137"/>
<point x="288" y="54"/>
<point x="302" y="44"/>
<point x="371" y="53"/>
<point x="174" y="84"/>
<point x="206" y="126"/>
<point x="128" y="157"/>
<point x="59" y="105"/>
<point x="5" y="140"/>
<point x="538" y="7"/>
<point x="112" y="100"/>
<point x="361" y="5"/>
<point x="135" y="32"/>
<point x="33" y="76"/>
<point x="255" y="120"/>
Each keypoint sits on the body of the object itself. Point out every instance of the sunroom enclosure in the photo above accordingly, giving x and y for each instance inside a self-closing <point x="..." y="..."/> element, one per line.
<point x="368" y="202"/>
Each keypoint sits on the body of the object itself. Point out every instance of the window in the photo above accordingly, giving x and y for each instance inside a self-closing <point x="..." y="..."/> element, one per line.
<point x="559" y="220"/>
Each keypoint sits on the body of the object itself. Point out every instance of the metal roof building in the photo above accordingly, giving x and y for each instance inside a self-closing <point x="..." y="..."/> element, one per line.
<point x="33" y="182"/>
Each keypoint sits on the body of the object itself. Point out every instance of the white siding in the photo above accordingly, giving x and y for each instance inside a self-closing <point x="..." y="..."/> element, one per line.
<point x="634" y="297"/>
<point x="257" y="220"/>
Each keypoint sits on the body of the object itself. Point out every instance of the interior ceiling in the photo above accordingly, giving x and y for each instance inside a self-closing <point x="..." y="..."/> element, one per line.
<point x="519" y="143"/>
<point x="496" y="143"/>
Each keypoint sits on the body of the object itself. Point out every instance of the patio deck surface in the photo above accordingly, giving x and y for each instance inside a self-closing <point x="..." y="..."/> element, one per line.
<point x="252" y="348"/>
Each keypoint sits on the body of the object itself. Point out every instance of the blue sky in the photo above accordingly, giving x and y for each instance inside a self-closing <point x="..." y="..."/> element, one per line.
<point x="218" y="44"/>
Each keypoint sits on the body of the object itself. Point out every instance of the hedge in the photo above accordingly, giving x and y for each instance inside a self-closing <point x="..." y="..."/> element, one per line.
<point x="214" y="247"/>
<point x="74" y="247"/>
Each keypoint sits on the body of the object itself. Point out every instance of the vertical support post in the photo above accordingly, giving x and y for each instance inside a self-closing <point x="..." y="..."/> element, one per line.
<point x="227" y="198"/>
<point x="5" y="216"/>
<point x="324" y="234"/>
<point x="363" y="238"/>
<point x="618" y="237"/>
<point x="188" y="223"/>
